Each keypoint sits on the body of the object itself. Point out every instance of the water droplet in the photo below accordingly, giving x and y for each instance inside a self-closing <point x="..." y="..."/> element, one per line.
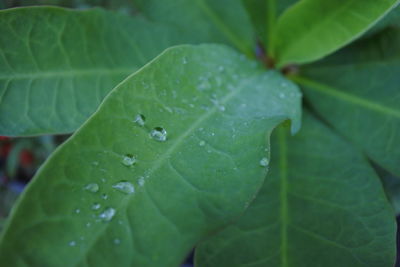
<point x="107" y="214"/>
<point x="202" y="143"/>
<point x="104" y="196"/>
<point x="124" y="187"/>
<point x="221" y="68"/>
<point x="184" y="60"/>
<point x="77" y="211"/>
<point x="141" y="181"/>
<point x="88" y="224"/>
<point x="222" y="108"/>
<point x="117" y="241"/>
<point x="264" y="162"/>
<point x="281" y="95"/>
<point x="95" y="163"/>
<point x="96" y="206"/>
<point x="92" y="187"/>
<point x="159" y="134"/>
<point x="128" y="160"/>
<point x="72" y="243"/>
<point x="139" y="120"/>
<point x="82" y="238"/>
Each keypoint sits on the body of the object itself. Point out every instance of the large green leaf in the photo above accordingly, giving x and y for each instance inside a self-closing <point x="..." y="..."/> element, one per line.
<point x="217" y="108"/>
<point x="321" y="205"/>
<point x="56" y="65"/>
<point x="225" y="21"/>
<point x="357" y="92"/>
<point x="312" y="29"/>
<point x="264" y="14"/>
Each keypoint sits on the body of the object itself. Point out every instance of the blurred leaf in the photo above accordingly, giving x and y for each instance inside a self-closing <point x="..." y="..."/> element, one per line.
<point x="321" y="205"/>
<point x="312" y="29"/>
<point x="357" y="92"/>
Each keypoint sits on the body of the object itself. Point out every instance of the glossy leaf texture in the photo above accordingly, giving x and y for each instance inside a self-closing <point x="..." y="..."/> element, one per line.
<point x="321" y="205"/>
<point x="174" y="153"/>
<point x="312" y="29"/>
<point x="56" y="65"/>
<point x="357" y="92"/>
<point x="264" y="14"/>
<point x="225" y="21"/>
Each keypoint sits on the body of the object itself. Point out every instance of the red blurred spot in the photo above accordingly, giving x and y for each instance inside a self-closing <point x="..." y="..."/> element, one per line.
<point x="5" y="149"/>
<point x="26" y="157"/>
<point x="4" y="138"/>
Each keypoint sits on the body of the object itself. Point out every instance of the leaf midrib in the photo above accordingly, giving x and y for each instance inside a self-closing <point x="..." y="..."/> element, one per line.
<point x="346" y="97"/>
<point x="67" y="73"/>
<point x="284" y="216"/>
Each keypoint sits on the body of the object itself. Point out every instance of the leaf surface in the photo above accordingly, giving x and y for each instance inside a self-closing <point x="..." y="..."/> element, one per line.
<point x="56" y="65"/>
<point x="217" y="108"/>
<point x="223" y="21"/>
<point x="314" y="209"/>
<point x="312" y="29"/>
<point x="357" y="92"/>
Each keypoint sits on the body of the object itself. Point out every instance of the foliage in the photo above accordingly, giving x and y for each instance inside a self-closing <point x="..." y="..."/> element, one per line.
<point x="171" y="136"/>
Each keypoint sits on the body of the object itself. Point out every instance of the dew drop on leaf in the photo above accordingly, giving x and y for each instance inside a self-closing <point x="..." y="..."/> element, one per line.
<point x="264" y="162"/>
<point x="159" y="134"/>
<point x="117" y="241"/>
<point x="141" y="181"/>
<point x="202" y="143"/>
<point x="92" y="187"/>
<point x="72" y="243"/>
<point x="107" y="214"/>
<point x="140" y="120"/>
<point x="96" y="206"/>
<point x="124" y="187"/>
<point x="129" y="160"/>
<point x="104" y="196"/>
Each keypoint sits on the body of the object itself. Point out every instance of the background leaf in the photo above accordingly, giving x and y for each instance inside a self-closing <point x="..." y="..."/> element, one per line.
<point x="56" y="65"/>
<point x="312" y="29"/>
<point x="217" y="109"/>
<point x="223" y="21"/>
<point x="391" y="19"/>
<point x="263" y="14"/>
<point x="315" y="209"/>
<point x="357" y="92"/>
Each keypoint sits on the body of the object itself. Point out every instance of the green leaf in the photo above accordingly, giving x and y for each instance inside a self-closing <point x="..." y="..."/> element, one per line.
<point x="391" y="19"/>
<point x="218" y="109"/>
<point x="312" y="29"/>
<point x="357" y="92"/>
<point x="315" y="209"/>
<point x="263" y="14"/>
<point x="56" y="65"/>
<point x="222" y="21"/>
